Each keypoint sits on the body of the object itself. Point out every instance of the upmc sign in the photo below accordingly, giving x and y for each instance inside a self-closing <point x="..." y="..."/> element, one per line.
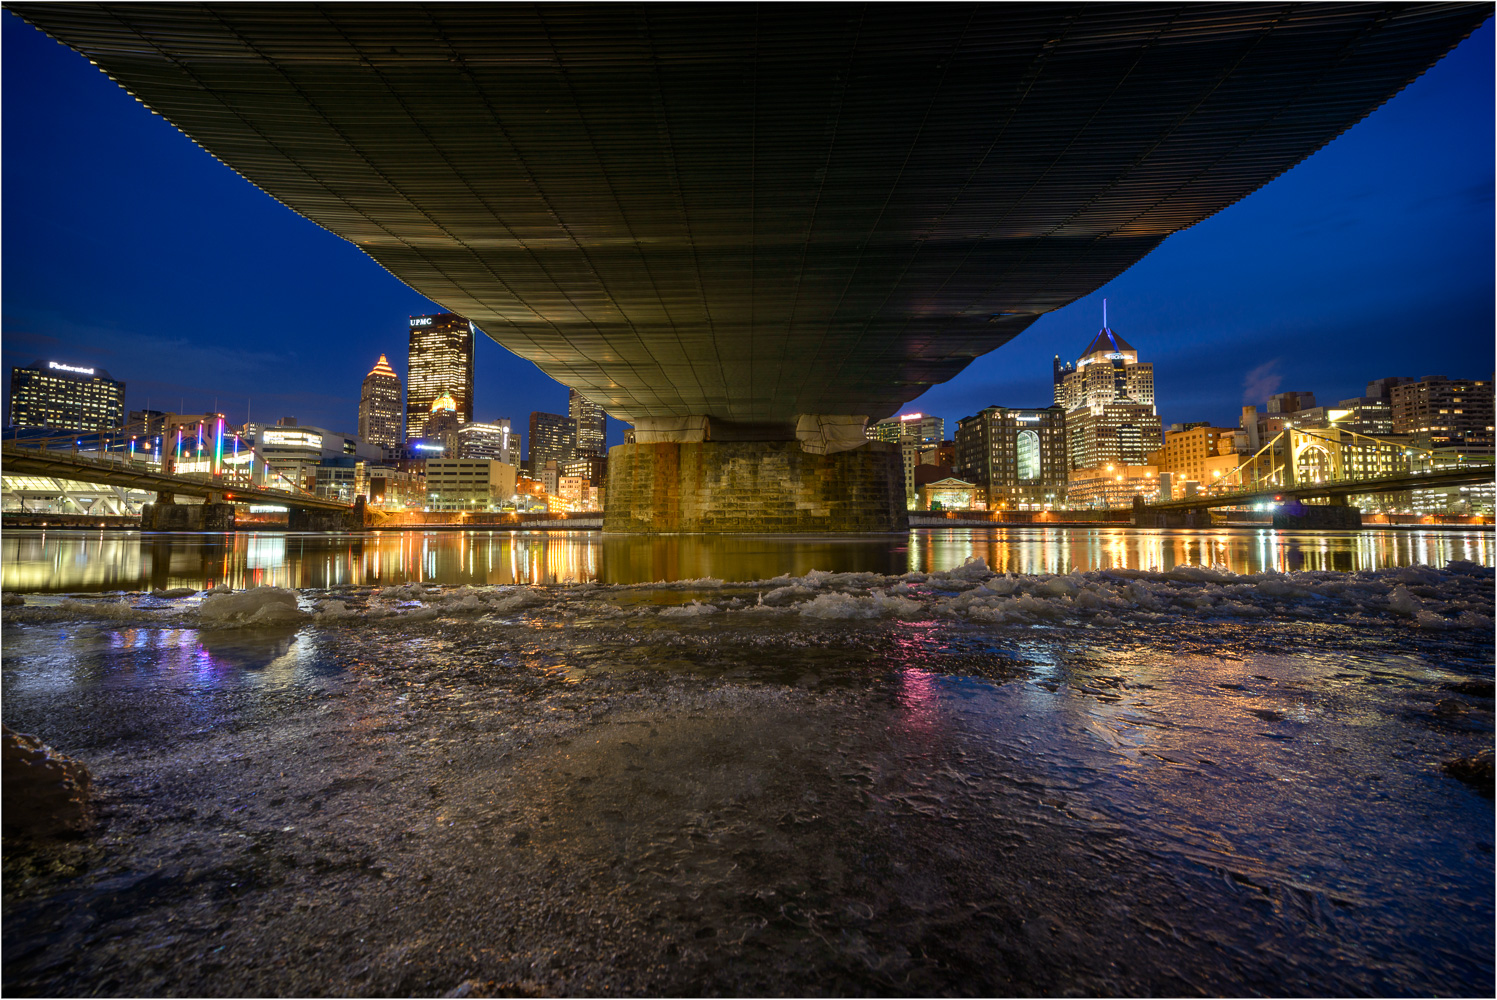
<point x="420" y="321"/>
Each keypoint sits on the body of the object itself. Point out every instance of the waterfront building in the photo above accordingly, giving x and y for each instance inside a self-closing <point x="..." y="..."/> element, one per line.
<point x="590" y="422"/>
<point x="951" y="494"/>
<point x="1109" y="404"/>
<point x="291" y="452"/>
<point x="593" y="468"/>
<point x="1365" y="415"/>
<point x="1017" y="455"/>
<point x="492" y="440"/>
<point x="66" y="397"/>
<point x="379" y="406"/>
<point x="553" y="438"/>
<point x="440" y="364"/>
<point x="913" y="432"/>
<point x="468" y="484"/>
<point x="1112" y="485"/>
<point x="1441" y="413"/>
<point x="1199" y="453"/>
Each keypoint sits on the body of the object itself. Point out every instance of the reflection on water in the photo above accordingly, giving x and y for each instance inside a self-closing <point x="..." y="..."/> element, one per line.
<point x="93" y="561"/>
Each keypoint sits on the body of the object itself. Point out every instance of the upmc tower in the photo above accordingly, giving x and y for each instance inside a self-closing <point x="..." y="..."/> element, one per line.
<point x="440" y="363"/>
<point x="750" y="229"/>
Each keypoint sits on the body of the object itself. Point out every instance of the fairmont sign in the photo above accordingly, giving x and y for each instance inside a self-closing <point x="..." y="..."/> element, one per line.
<point x="69" y="368"/>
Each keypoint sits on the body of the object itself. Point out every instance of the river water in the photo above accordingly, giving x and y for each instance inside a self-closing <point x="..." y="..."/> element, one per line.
<point x="990" y="761"/>
<point x="79" y="561"/>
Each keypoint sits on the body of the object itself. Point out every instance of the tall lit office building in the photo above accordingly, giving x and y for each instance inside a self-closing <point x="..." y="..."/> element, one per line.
<point x="923" y="430"/>
<point x="1109" y="404"/>
<point x="441" y="362"/>
<point x="492" y="441"/>
<point x="66" y="397"/>
<point x="1442" y="412"/>
<point x="1018" y="455"/>
<point x="379" y="406"/>
<point x="592" y="425"/>
<point x="913" y="432"/>
<point x="553" y="438"/>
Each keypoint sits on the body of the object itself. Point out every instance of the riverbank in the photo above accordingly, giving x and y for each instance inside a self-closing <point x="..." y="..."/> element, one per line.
<point x="949" y="783"/>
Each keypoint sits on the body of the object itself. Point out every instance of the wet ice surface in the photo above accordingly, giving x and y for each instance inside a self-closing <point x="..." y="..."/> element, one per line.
<point x="1103" y="783"/>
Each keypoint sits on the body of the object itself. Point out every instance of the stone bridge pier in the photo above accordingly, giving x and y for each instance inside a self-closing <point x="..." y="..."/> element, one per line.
<point x="168" y="515"/>
<point x="1146" y="517"/>
<point x="298" y="519"/>
<point x="699" y="473"/>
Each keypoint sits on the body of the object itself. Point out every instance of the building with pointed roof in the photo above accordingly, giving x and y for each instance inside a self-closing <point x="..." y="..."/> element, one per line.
<point x="379" y="406"/>
<point x="1109" y="404"/>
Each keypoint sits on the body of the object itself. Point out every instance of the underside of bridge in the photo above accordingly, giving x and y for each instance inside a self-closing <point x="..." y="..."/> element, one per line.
<point x="735" y="223"/>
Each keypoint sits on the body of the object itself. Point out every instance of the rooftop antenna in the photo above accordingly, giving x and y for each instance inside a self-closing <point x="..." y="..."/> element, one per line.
<point x="1104" y="314"/>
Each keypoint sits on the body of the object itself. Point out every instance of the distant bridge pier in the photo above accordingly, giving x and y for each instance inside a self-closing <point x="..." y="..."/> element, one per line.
<point x="167" y="515"/>
<point x="699" y="473"/>
<point x="1145" y="516"/>
<point x="301" y="519"/>
<point x="1336" y="515"/>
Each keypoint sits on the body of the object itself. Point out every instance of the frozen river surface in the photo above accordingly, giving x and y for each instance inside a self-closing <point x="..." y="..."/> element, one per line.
<point x="1114" y="782"/>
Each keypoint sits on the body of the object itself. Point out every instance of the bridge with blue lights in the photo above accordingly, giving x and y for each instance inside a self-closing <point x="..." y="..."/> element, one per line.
<point x="107" y="460"/>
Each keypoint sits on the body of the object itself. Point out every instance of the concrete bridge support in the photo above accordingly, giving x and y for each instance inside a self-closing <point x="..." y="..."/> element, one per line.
<point x="1197" y="517"/>
<point x="171" y="516"/>
<point x="732" y="486"/>
<point x="327" y="520"/>
<point x="1313" y="517"/>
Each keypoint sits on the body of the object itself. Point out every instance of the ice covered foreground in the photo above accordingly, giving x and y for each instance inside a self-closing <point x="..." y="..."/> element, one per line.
<point x="1458" y="596"/>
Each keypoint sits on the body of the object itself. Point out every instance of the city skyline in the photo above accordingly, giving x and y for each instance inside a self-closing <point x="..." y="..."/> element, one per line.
<point x="1224" y="309"/>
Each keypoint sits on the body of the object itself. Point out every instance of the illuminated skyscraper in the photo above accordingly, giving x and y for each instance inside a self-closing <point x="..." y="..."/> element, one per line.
<point x="553" y="438"/>
<point x="1019" y="455"/>
<point x="441" y="362"/>
<point x="494" y="441"/>
<point x="379" y="406"/>
<point x="1109" y="404"/>
<point x="66" y="397"/>
<point x="591" y="424"/>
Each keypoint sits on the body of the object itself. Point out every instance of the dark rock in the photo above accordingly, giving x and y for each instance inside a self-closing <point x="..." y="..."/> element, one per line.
<point x="45" y="793"/>
<point x="1475" y="770"/>
<point x="1474" y="688"/>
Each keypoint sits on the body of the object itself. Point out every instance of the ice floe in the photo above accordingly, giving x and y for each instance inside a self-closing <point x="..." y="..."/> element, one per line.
<point x="256" y="606"/>
<point x="1459" y="596"/>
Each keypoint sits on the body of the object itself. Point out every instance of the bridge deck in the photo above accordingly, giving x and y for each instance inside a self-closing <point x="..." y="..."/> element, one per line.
<point x="1473" y="476"/>
<point x="66" y="465"/>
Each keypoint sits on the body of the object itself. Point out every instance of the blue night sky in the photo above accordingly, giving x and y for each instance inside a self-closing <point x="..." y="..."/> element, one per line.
<point x="128" y="247"/>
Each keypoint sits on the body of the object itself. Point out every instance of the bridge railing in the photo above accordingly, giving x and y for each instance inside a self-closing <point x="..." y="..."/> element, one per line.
<point x="1296" y="458"/>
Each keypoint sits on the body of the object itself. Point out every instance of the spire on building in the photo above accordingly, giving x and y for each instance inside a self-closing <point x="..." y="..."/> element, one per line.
<point x="1106" y="344"/>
